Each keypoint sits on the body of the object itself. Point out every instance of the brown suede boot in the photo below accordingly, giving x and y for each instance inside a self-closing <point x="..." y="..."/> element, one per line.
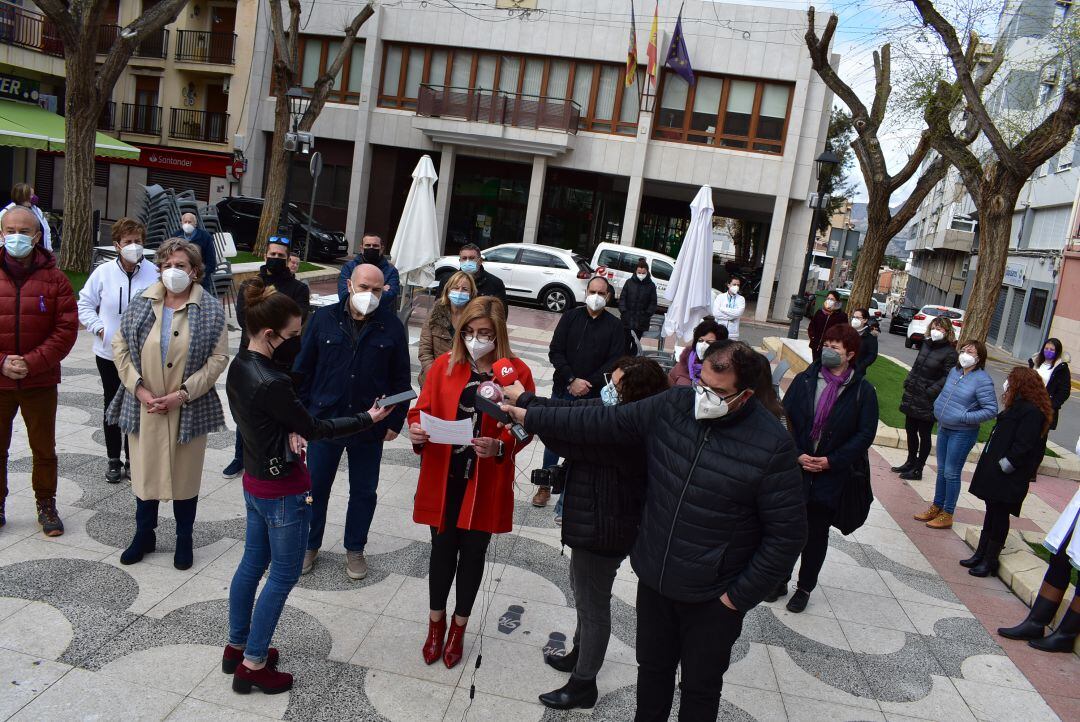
<point x="929" y="514"/>
<point x="941" y="521"/>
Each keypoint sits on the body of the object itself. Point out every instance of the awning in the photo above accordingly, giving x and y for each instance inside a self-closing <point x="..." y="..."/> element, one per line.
<point x="27" y="126"/>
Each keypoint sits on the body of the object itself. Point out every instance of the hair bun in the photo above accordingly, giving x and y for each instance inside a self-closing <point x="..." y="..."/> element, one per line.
<point x="256" y="291"/>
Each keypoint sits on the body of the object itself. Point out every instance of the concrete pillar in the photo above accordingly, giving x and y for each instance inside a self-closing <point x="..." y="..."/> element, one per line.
<point x="360" y="177"/>
<point x="444" y="188"/>
<point x="772" y="256"/>
<point x="792" y="256"/>
<point x="628" y="234"/>
<point x="536" y="198"/>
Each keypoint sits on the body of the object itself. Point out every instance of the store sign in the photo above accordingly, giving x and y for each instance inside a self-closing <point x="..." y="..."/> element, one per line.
<point x="24" y="90"/>
<point x="1014" y="274"/>
<point x="215" y="165"/>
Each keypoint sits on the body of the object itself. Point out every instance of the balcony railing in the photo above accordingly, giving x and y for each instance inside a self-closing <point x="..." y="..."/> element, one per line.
<point x="195" y="46"/>
<point x="107" y="119"/>
<point x="201" y="125"/>
<point x="143" y="119"/>
<point x="107" y="36"/>
<point x="519" y="110"/>
<point x="156" y="45"/>
<point x="29" y="29"/>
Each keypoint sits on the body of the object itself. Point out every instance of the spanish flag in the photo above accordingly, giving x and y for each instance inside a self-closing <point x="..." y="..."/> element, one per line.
<point x="631" y="51"/>
<point x="651" y="51"/>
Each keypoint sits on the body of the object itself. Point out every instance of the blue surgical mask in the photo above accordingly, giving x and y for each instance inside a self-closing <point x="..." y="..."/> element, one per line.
<point x="458" y="298"/>
<point x="609" y="394"/>
<point x="18" y="245"/>
<point x="469" y="266"/>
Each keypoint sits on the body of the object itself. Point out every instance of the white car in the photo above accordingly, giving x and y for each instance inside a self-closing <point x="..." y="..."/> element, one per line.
<point x="917" y="332"/>
<point x="554" y="277"/>
<point x="617" y="263"/>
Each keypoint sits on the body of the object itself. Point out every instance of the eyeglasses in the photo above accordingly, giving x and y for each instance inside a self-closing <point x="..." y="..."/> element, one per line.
<point x="714" y="395"/>
<point x="482" y="334"/>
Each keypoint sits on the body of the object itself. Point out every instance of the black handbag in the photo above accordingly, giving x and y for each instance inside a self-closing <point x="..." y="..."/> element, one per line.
<point x="858" y="494"/>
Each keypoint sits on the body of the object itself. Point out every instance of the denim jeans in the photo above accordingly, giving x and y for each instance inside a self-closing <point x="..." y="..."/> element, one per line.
<point x="550" y="457"/>
<point x="953" y="447"/>
<point x="238" y="449"/>
<point x="277" y="531"/>
<point x="364" y="460"/>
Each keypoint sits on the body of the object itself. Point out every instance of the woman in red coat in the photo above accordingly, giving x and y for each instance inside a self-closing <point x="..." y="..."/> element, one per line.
<point x="465" y="493"/>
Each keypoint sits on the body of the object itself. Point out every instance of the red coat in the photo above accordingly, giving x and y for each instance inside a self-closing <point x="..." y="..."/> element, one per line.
<point x="38" y="320"/>
<point x="489" y="495"/>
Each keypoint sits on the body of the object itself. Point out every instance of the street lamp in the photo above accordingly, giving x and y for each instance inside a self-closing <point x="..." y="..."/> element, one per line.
<point x="298" y="102"/>
<point x="823" y="166"/>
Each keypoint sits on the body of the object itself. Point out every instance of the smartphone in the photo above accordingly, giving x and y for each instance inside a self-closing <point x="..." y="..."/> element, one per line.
<point x="396" y="399"/>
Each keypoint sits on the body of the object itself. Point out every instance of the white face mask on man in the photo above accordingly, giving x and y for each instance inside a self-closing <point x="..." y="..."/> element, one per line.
<point x="364" y="302"/>
<point x="710" y="405"/>
<point x="595" y="302"/>
<point x="188" y="228"/>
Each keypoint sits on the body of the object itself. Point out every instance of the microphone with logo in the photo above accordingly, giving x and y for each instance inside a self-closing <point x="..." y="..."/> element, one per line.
<point x="489" y="396"/>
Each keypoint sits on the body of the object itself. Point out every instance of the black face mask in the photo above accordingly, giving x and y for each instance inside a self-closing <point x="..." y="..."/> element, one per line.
<point x="276" y="266"/>
<point x="284" y="354"/>
<point x="372" y="256"/>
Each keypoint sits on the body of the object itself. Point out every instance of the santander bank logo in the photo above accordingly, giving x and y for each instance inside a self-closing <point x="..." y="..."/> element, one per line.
<point x="167" y="160"/>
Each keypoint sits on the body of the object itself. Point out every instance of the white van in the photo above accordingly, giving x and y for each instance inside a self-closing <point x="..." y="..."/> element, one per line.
<point x="618" y="262"/>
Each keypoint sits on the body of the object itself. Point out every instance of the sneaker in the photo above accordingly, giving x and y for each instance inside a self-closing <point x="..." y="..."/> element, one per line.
<point x="115" y="472"/>
<point x="558" y="521"/>
<point x="542" y="497"/>
<point x="48" y="517"/>
<point x="234" y="469"/>
<point x="355" y="565"/>
<point x="798" y="601"/>
<point x="309" y="560"/>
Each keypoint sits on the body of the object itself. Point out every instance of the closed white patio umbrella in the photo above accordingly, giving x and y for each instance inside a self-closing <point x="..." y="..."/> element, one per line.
<point x="416" y="244"/>
<point x="689" y="292"/>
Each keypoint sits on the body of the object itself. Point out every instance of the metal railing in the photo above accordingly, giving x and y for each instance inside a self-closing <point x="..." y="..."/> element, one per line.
<point x="144" y="119"/>
<point x="155" y="45"/>
<point x="201" y="125"/>
<point x="196" y="46"/>
<point x="107" y="119"/>
<point x="29" y="29"/>
<point x="519" y="110"/>
<point x="107" y="37"/>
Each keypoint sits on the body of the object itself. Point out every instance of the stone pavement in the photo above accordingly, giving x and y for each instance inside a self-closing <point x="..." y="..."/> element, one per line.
<point x="893" y="632"/>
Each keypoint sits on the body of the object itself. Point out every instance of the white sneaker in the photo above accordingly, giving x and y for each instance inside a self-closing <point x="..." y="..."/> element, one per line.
<point x="309" y="560"/>
<point x="355" y="565"/>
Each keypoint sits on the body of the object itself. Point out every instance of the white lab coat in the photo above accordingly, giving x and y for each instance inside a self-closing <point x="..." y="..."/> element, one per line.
<point x="727" y="310"/>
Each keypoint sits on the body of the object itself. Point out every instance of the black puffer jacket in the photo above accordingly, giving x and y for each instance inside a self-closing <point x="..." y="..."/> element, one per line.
<point x="724" y="506"/>
<point x="605" y="487"/>
<point x="926" y="379"/>
<point x="637" y="303"/>
<point x="1017" y="436"/>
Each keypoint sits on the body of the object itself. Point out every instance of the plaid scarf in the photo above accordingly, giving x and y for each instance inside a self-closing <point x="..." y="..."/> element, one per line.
<point x="201" y="416"/>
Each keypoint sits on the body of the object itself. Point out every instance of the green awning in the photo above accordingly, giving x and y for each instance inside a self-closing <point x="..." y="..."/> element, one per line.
<point x="27" y="126"/>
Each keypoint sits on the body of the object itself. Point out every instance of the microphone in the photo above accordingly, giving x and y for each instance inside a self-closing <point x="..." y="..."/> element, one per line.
<point x="488" y="398"/>
<point x="505" y="373"/>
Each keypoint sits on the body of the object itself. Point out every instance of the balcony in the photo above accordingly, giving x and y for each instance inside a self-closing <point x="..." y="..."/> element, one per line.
<point x="199" y="125"/>
<point x="107" y="119"/>
<point x="156" y="45"/>
<point x="195" y="46"/>
<point x="955" y="240"/>
<point x="28" y="29"/>
<point x="142" y="119"/>
<point x="107" y="36"/>
<point x="517" y="110"/>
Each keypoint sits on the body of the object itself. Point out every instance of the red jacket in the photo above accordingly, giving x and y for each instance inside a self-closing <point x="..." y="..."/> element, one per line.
<point x="489" y="496"/>
<point x="38" y="319"/>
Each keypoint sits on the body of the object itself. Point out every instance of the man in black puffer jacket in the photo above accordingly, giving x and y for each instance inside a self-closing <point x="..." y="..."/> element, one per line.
<point x="724" y="519"/>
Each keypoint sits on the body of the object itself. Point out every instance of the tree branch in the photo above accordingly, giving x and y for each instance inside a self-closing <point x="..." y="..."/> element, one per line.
<point x="819" y="56"/>
<point x="933" y="175"/>
<point x="1045" y="139"/>
<point x="57" y="12"/>
<point x="150" y="22"/>
<point x="326" y="80"/>
<point x="882" y="84"/>
<point x="913" y="162"/>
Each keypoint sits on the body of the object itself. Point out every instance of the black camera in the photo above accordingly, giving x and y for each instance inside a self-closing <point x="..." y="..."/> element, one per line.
<point x="553" y="476"/>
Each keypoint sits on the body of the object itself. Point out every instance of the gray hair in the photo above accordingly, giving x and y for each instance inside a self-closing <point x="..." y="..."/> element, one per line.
<point x="174" y="245"/>
<point x="23" y="209"/>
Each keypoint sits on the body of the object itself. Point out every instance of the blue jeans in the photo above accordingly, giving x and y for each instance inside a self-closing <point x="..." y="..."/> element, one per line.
<point x="550" y="457"/>
<point x="364" y="460"/>
<point x="276" y="534"/>
<point x="953" y="447"/>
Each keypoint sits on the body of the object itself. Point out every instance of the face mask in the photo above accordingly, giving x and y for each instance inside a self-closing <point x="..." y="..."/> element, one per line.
<point x="830" y="304"/>
<point x="1049" y="354"/>
<point x="188" y="228"/>
<point x="700" y="349"/>
<point x="1005" y="387"/>
<point x="609" y="394"/>
<point x="706" y="405"/>
<point x="831" y="358"/>
<point x="132" y="253"/>
<point x="478" y="348"/>
<point x="595" y="302"/>
<point x="19" y="245"/>
<point x="967" y="360"/>
<point x="734" y="290"/>
<point x="285" y="352"/>
<point x="276" y="266"/>
<point x="857" y="323"/>
<point x="468" y="266"/>
<point x="641" y="275"/>
<point x="458" y="298"/>
<point x="372" y="256"/>
<point x="936" y="334"/>
<point x="175" y="279"/>
<point x="364" y="302"/>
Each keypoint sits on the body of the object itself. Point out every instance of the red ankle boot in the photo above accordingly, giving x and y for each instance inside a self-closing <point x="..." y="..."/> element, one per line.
<point x="436" y="634"/>
<point x="270" y="681"/>
<point x="454" y="642"/>
<point x="232" y="657"/>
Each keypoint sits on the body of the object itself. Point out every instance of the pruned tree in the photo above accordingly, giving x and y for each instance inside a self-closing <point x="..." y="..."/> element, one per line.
<point x="88" y="87"/>
<point x="883" y="222"/>
<point x="286" y="74"/>
<point x="993" y="179"/>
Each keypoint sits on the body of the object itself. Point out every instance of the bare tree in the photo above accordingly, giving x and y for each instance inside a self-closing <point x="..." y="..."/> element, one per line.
<point x="286" y="74"/>
<point x="883" y="223"/>
<point x="995" y="180"/>
<point x="88" y="87"/>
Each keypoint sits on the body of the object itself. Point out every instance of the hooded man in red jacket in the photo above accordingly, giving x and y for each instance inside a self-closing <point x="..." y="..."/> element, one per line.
<point x="38" y="324"/>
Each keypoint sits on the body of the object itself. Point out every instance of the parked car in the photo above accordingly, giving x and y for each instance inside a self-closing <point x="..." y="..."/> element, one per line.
<point x="877" y="309"/>
<point x="240" y="216"/>
<point x="618" y="263"/>
<point x="554" y="277"/>
<point x="901" y="319"/>
<point x="916" y="331"/>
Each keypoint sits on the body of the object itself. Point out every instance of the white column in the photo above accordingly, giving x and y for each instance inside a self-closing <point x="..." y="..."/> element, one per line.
<point x="444" y="188"/>
<point x="793" y="256"/>
<point x="772" y="256"/>
<point x="628" y="234"/>
<point x="536" y="198"/>
<point x="360" y="176"/>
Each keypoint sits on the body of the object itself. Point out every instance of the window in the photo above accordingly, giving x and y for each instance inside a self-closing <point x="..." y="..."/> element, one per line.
<point x="404" y="69"/>
<point x="530" y="257"/>
<point x="661" y="270"/>
<point x="1037" y="307"/>
<point x="962" y="224"/>
<point x="609" y="259"/>
<point x="501" y="255"/>
<point x="318" y="53"/>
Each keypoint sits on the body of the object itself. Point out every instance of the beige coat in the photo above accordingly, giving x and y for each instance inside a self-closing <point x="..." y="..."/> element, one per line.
<point x="436" y="338"/>
<point x="160" y="467"/>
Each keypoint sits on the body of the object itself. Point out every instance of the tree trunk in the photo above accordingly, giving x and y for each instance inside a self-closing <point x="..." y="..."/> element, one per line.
<point x="871" y="253"/>
<point x="996" y="203"/>
<point x="81" y="111"/>
<point x="275" y="179"/>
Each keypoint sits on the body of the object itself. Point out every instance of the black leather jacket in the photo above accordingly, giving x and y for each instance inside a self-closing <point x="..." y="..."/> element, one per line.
<point x="266" y="410"/>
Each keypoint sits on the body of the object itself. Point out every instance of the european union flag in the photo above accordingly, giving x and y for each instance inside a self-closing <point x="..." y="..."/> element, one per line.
<point x="678" y="59"/>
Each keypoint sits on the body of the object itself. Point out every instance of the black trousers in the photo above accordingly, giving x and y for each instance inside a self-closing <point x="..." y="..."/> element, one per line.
<point x="1060" y="570"/>
<point x="110" y="382"/>
<point x="818" y="521"/>
<point x="918" y="438"/>
<point x="456" y="553"/>
<point x="697" y="635"/>
<point x="996" y="522"/>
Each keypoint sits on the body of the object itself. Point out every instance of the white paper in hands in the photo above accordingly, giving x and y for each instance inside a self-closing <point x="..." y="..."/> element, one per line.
<point x="441" y="431"/>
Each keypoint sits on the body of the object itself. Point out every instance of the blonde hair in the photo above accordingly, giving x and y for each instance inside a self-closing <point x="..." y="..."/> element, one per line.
<point x="452" y="282"/>
<point x="21" y="193"/>
<point x="179" y="245"/>
<point x="487" y="307"/>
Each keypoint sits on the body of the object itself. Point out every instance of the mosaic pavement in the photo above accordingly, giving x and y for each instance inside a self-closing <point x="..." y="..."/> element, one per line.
<point x="81" y="636"/>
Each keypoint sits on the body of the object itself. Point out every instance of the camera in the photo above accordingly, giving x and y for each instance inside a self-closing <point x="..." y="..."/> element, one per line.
<point x="553" y="476"/>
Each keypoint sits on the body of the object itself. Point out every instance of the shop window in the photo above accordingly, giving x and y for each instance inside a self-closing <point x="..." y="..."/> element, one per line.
<point x="1036" y="309"/>
<point x="316" y="55"/>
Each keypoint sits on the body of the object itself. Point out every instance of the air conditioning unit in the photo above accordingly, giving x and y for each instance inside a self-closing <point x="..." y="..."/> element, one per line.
<point x="1050" y="76"/>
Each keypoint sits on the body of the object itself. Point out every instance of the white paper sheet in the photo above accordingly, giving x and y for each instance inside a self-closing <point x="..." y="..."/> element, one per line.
<point x="441" y="431"/>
